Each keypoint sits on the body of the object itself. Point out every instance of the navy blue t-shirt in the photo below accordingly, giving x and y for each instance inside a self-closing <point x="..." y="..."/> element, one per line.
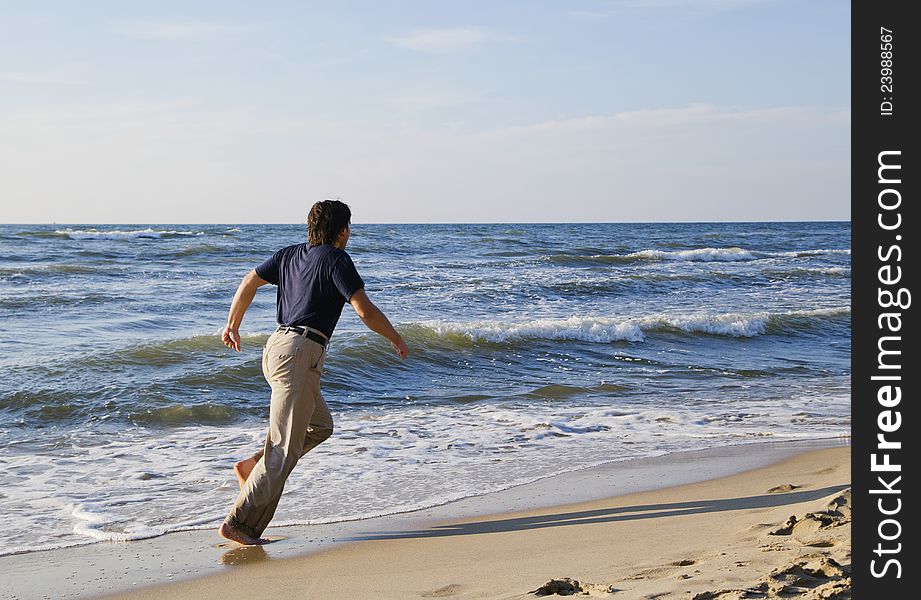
<point x="314" y="282"/>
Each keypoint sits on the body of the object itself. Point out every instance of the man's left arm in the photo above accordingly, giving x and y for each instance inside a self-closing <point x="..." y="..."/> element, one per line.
<point x="377" y="321"/>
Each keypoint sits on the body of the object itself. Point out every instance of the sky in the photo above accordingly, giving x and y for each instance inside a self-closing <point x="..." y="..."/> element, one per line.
<point x="425" y="111"/>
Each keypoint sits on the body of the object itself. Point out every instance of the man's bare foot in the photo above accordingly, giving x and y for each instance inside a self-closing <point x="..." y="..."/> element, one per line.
<point x="243" y="468"/>
<point x="235" y="535"/>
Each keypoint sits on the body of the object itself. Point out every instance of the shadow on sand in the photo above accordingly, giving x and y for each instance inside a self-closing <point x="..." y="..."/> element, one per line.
<point x="607" y="515"/>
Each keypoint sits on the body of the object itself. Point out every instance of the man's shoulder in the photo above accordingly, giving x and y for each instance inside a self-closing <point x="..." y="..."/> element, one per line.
<point x="292" y="248"/>
<point x="289" y="255"/>
<point x="330" y="253"/>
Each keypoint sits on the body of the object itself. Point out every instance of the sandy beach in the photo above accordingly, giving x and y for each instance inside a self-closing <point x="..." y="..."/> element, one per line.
<point x="781" y="530"/>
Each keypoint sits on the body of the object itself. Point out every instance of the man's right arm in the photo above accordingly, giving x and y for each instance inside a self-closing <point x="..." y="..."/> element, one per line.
<point x="376" y="321"/>
<point x="241" y="301"/>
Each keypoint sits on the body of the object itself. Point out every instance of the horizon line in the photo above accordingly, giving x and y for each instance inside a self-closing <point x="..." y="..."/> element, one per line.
<point x="431" y="222"/>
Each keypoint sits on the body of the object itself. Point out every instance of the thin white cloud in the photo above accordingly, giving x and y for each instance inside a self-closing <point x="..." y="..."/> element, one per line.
<point x="188" y="31"/>
<point x="422" y="100"/>
<point x="589" y="15"/>
<point x="447" y="41"/>
<point x="112" y="111"/>
<point x="696" y="113"/>
<point x="670" y="117"/>
<point x="41" y="78"/>
<point x="176" y="158"/>
<point x="606" y="9"/>
<point x="688" y="4"/>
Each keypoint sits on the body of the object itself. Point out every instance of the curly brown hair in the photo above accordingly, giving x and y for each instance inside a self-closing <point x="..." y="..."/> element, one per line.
<point x="326" y="220"/>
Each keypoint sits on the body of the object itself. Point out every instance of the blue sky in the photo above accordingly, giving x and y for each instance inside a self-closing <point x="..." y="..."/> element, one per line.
<point x="606" y="110"/>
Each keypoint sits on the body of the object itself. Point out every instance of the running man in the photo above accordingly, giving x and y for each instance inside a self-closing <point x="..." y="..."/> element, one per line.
<point x="314" y="281"/>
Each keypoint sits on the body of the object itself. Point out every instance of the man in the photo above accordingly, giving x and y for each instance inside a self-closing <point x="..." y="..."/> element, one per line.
<point x="314" y="281"/>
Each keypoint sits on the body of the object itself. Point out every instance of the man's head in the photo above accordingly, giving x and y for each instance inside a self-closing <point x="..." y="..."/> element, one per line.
<point x="328" y="223"/>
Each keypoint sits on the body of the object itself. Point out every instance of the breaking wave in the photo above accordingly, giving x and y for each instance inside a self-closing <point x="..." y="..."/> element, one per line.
<point x="733" y="254"/>
<point x="607" y="330"/>
<point x="96" y="234"/>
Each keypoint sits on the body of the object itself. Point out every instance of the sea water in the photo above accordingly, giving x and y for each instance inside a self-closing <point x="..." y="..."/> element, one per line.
<point x="535" y="349"/>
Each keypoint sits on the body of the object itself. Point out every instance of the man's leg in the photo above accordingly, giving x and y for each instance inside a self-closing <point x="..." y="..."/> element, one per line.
<point x="321" y="426"/>
<point x="319" y="430"/>
<point x="289" y="365"/>
<point x="243" y="468"/>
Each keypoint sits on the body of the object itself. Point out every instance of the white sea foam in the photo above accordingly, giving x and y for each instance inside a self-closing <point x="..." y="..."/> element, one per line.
<point x="588" y="329"/>
<point x="729" y="324"/>
<point x="733" y="254"/>
<point x="699" y="254"/>
<point x="816" y="252"/>
<point x="737" y="324"/>
<point x="95" y="234"/>
<point x="833" y="270"/>
<point x="810" y="270"/>
<point x="94" y="521"/>
<point x="380" y="461"/>
<point x="607" y="329"/>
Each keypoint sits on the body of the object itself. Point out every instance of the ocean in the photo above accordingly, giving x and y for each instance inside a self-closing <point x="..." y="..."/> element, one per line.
<point x="535" y="349"/>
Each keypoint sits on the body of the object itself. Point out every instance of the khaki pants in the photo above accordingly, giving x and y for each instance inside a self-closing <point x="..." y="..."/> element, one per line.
<point x="299" y="420"/>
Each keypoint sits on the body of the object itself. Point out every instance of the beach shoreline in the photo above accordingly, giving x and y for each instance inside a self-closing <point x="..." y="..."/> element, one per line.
<point x="532" y="355"/>
<point x="201" y="559"/>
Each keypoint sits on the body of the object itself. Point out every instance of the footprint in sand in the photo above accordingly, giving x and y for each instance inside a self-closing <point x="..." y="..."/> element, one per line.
<point x="781" y="489"/>
<point x="841" y="504"/>
<point x="660" y="572"/>
<point x="820" y="543"/>
<point x="773" y="547"/>
<point x="787" y="528"/>
<point x="804" y="575"/>
<point x="654" y="573"/>
<point x="820" y="577"/>
<point x="452" y="589"/>
<point x="567" y="587"/>
<point x="824" y="471"/>
<point x="723" y="595"/>
<point x="837" y="513"/>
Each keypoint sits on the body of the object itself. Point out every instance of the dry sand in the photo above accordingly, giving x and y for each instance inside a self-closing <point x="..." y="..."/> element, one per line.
<point x="781" y="531"/>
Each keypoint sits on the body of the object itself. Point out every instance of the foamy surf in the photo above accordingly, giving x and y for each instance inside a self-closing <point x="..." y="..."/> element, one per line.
<point x="706" y="255"/>
<point x="385" y="461"/>
<point x="808" y="253"/>
<point x="96" y="234"/>
<point x="609" y="329"/>
<point x="699" y="254"/>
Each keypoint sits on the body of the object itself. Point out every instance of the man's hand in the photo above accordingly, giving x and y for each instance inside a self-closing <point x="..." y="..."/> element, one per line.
<point x="241" y="301"/>
<point x="377" y="321"/>
<point x="401" y="348"/>
<point x="231" y="338"/>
